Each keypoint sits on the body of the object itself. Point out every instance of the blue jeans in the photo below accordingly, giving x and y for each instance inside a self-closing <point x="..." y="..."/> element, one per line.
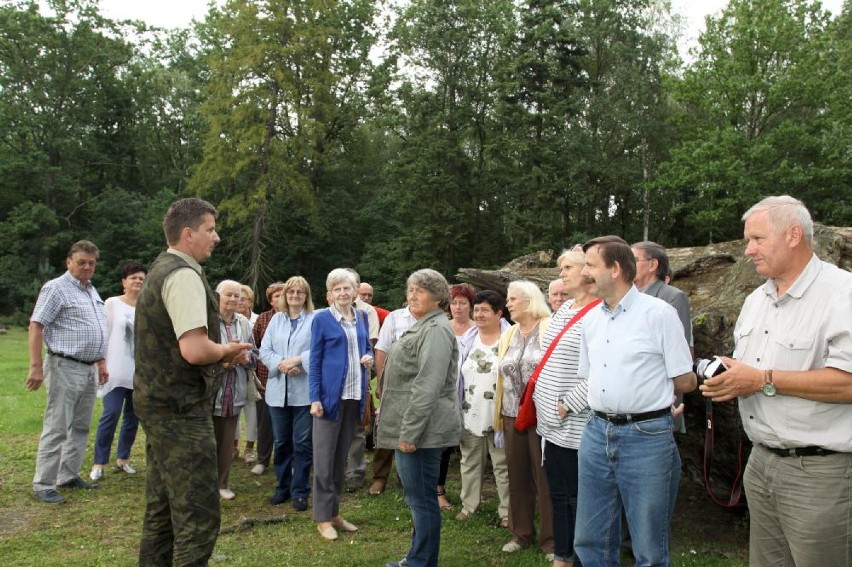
<point x="113" y="403"/>
<point x="636" y="466"/>
<point x="418" y="472"/>
<point x="560" y="466"/>
<point x="292" y="451"/>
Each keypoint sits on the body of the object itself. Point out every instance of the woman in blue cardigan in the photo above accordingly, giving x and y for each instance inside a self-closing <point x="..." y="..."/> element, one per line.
<point x="341" y="356"/>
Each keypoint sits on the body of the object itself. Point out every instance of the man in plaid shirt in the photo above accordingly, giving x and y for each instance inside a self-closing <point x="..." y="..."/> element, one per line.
<point x="69" y="318"/>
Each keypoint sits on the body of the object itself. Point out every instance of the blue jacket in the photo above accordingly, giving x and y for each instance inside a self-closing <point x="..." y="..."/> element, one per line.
<point x="279" y="342"/>
<point x="330" y="361"/>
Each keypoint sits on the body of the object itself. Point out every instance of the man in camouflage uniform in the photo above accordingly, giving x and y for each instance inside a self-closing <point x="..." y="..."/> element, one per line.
<point x="179" y="366"/>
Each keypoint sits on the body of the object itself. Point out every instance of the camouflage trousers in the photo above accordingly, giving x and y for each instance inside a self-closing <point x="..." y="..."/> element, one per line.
<point x="182" y="512"/>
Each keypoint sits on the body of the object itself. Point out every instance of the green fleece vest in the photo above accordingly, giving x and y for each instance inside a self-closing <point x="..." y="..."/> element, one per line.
<point x="165" y="385"/>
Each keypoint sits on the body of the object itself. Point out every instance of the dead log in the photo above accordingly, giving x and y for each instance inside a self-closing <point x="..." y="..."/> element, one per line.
<point x="716" y="278"/>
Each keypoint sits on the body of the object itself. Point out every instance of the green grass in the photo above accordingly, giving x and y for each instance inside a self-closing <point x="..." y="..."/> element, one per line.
<point x="102" y="527"/>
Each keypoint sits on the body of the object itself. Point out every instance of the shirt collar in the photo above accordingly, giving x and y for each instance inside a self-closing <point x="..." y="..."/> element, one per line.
<point x="336" y="314"/>
<point x="802" y="283"/>
<point x="78" y="283"/>
<point x="624" y="305"/>
<point x="193" y="263"/>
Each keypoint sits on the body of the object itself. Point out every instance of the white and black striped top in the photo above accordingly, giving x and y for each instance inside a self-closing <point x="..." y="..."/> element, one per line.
<point x="559" y="378"/>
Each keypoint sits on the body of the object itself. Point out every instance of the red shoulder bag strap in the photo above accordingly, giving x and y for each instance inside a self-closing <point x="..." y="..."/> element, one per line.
<point x="577" y="316"/>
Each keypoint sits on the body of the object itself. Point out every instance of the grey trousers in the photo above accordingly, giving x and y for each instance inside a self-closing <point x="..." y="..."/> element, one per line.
<point x="70" y="398"/>
<point x="331" y="445"/>
<point x="356" y="462"/>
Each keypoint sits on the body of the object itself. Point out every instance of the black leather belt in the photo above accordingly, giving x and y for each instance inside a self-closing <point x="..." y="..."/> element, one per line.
<point x="811" y="451"/>
<point x="66" y="357"/>
<point x="623" y="418"/>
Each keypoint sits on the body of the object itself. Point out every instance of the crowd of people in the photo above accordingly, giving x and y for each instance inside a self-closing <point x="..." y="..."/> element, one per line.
<point x="573" y="397"/>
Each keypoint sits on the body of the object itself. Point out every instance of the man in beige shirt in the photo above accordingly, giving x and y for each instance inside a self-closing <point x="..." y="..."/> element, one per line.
<point x="179" y="366"/>
<point x="792" y="373"/>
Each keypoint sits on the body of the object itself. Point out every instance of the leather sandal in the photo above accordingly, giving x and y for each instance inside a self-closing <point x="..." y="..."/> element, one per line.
<point x="445" y="505"/>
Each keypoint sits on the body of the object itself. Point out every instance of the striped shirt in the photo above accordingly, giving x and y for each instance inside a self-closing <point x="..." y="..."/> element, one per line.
<point x="352" y="385"/>
<point x="558" y="379"/>
<point x="73" y="317"/>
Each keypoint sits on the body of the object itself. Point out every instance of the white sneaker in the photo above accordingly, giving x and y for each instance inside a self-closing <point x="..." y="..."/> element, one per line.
<point x="258" y="469"/>
<point x="96" y="474"/>
<point x="512" y="547"/>
<point x="250" y="456"/>
<point x="226" y="494"/>
<point x="126" y="468"/>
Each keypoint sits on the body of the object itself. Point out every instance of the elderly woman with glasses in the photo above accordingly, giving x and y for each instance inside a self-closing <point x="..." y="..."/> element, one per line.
<point x="341" y="356"/>
<point x="420" y="413"/>
<point x="286" y="352"/>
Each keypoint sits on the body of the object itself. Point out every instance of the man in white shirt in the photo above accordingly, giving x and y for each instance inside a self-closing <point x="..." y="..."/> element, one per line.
<point x="635" y="357"/>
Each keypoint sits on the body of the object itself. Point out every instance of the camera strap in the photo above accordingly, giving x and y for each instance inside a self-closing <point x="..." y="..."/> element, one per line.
<point x="734" y="498"/>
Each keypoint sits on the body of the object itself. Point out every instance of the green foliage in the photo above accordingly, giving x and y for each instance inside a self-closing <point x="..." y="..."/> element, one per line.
<point x="755" y="121"/>
<point x="393" y="137"/>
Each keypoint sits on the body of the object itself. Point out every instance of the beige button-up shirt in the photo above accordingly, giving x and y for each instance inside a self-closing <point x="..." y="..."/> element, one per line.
<point x="807" y="328"/>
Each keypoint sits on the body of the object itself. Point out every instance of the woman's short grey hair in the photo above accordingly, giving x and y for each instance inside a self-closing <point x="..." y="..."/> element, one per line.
<point x="434" y="283"/>
<point x="528" y="290"/>
<point x="338" y="276"/>
<point x="224" y="283"/>
<point x="576" y="257"/>
<point x="784" y="212"/>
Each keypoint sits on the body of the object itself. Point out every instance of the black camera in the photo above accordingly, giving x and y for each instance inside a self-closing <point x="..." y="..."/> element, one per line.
<point x="706" y="368"/>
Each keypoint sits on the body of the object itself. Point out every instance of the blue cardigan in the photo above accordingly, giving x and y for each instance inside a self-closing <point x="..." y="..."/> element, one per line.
<point x="330" y="361"/>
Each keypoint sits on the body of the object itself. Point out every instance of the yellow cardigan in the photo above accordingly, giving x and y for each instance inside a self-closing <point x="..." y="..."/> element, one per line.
<point x="502" y="347"/>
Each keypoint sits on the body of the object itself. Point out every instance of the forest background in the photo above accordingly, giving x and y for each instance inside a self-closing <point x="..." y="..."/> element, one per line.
<point x="393" y="135"/>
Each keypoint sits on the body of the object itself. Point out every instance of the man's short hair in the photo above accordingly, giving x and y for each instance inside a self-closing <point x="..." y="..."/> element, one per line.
<point x="85" y="247"/>
<point x="654" y="251"/>
<point x="615" y="249"/>
<point x="184" y="213"/>
<point x="784" y="212"/>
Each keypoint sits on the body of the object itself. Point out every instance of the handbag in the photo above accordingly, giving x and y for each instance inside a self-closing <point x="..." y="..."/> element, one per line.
<point x="526" y="408"/>
<point x="252" y="387"/>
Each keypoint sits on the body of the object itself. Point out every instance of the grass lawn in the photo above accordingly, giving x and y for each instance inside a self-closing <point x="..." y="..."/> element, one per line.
<point x="102" y="527"/>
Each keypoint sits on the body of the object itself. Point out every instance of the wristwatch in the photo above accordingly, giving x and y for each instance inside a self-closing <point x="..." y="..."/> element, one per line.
<point x="768" y="387"/>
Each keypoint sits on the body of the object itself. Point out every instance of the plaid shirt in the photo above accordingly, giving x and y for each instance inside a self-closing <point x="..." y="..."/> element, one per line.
<point x="73" y="317"/>
<point x="258" y="330"/>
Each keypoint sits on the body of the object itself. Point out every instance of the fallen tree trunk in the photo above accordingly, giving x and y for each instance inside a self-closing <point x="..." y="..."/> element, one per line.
<point x="716" y="278"/>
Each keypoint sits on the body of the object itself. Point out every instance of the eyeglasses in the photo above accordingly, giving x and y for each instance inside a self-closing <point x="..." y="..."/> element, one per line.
<point x="295" y="292"/>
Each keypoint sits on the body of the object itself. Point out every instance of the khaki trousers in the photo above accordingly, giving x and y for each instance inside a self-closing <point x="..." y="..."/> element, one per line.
<point x="800" y="510"/>
<point x="473" y="452"/>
